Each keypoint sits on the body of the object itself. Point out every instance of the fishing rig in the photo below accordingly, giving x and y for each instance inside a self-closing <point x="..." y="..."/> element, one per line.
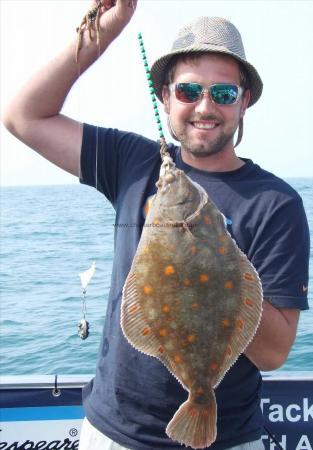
<point x="83" y="324"/>
<point x="163" y="145"/>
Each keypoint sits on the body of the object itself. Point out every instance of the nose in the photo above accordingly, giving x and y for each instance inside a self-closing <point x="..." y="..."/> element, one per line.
<point x="205" y="105"/>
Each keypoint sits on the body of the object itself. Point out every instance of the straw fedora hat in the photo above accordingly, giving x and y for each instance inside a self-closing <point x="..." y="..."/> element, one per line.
<point x="208" y="34"/>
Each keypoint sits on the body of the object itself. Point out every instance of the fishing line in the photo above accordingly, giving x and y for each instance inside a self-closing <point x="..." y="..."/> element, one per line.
<point x="99" y="4"/>
<point x="97" y="134"/>
<point x="90" y="22"/>
<point x="273" y="438"/>
<point x="83" y="324"/>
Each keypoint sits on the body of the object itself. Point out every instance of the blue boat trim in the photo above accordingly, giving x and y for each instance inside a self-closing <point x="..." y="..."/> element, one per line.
<point x="41" y="413"/>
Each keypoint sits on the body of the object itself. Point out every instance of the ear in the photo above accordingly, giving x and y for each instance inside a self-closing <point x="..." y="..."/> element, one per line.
<point x="166" y="99"/>
<point x="245" y="102"/>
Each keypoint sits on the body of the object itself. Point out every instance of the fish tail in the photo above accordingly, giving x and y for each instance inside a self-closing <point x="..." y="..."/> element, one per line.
<point x="194" y="423"/>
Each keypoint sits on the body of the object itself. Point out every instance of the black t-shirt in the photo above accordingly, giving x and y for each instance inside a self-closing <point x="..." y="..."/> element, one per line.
<point x="133" y="396"/>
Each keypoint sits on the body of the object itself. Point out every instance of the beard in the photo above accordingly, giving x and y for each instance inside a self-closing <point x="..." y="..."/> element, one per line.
<point x="206" y="148"/>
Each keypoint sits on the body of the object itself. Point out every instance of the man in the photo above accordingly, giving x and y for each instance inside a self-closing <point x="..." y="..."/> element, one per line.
<point x="206" y="85"/>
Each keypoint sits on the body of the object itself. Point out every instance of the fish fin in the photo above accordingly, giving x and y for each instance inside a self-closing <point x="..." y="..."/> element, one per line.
<point x="135" y="325"/>
<point x="194" y="424"/>
<point x="249" y="315"/>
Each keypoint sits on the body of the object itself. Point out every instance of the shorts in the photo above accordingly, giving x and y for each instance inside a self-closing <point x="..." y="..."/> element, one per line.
<point x="92" y="439"/>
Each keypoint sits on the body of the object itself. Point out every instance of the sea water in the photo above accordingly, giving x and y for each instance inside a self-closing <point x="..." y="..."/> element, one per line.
<point x="50" y="234"/>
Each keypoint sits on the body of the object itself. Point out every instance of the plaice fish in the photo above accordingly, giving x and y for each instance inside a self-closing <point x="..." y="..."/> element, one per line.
<point x="191" y="299"/>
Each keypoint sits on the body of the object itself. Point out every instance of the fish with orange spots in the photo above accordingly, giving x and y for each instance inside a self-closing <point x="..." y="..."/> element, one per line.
<point x="195" y="308"/>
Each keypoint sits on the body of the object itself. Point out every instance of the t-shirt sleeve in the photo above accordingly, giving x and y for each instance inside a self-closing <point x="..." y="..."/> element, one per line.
<point x="282" y="255"/>
<point x="109" y="156"/>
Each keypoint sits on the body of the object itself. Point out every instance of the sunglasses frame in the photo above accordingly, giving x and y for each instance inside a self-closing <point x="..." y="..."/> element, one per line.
<point x="172" y="88"/>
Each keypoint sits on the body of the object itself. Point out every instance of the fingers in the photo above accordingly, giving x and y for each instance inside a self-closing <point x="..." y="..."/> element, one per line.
<point x="129" y="4"/>
<point x="108" y="4"/>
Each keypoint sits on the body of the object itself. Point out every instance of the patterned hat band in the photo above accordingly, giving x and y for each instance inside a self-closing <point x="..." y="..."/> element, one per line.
<point x="208" y="35"/>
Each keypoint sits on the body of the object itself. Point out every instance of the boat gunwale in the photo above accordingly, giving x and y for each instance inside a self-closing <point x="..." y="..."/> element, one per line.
<point x="79" y="381"/>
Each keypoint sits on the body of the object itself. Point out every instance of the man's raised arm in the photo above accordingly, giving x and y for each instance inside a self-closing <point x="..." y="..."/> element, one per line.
<point x="34" y="116"/>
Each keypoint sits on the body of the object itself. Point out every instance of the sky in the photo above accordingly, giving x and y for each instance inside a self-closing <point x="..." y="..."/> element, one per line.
<point x="114" y="92"/>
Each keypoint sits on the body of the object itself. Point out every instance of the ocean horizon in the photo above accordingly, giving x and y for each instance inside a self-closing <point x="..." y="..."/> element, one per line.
<point x="50" y="234"/>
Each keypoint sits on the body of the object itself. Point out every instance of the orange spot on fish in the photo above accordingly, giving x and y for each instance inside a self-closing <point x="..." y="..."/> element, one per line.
<point x="248" y="302"/>
<point x="178" y="359"/>
<point x="228" y="285"/>
<point x="248" y="276"/>
<point x="146" y="331"/>
<point x="147" y="289"/>
<point x="204" y="278"/>
<point x="205" y="413"/>
<point x="187" y="282"/>
<point x="191" y="338"/>
<point x="214" y="366"/>
<point x="156" y="222"/>
<point x="165" y="308"/>
<point x="193" y="250"/>
<point x="169" y="270"/>
<point x="161" y="350"/>
<point x="147" y="206"/>
<point x="222" y="250"/>
<point x="239" y="324"/>
<point x="192" y="412"/>
<point x="163" y="332"/>
<point x="195" y="305"/>
<point x="199" y="391"/>
<point x="207" y="220"/>
<point x="225" y="323"/>
<point x="133" y="309"/>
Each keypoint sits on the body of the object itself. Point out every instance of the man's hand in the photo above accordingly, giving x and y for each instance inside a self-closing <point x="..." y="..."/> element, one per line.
<point x="103" y="22"/>
<point x="118" y="14"/>
<point x="115" y="15"/>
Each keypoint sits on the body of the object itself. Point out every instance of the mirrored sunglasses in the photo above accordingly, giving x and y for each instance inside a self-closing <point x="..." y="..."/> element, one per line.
<point x="220" y="93"/>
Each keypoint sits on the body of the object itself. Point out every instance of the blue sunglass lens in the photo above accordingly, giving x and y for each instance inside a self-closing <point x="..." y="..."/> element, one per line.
<point x="224" y="94"/>
<point x="188" y="92"/>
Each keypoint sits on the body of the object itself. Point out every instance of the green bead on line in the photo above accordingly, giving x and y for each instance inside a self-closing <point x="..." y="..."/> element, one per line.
<point x="151" y="88"/>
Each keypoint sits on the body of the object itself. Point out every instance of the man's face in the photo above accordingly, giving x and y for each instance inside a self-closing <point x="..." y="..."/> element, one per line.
<point x="205" y="128"/>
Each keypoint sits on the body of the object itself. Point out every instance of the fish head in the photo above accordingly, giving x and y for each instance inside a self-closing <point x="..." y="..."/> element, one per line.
<point x="178" y="196"/>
